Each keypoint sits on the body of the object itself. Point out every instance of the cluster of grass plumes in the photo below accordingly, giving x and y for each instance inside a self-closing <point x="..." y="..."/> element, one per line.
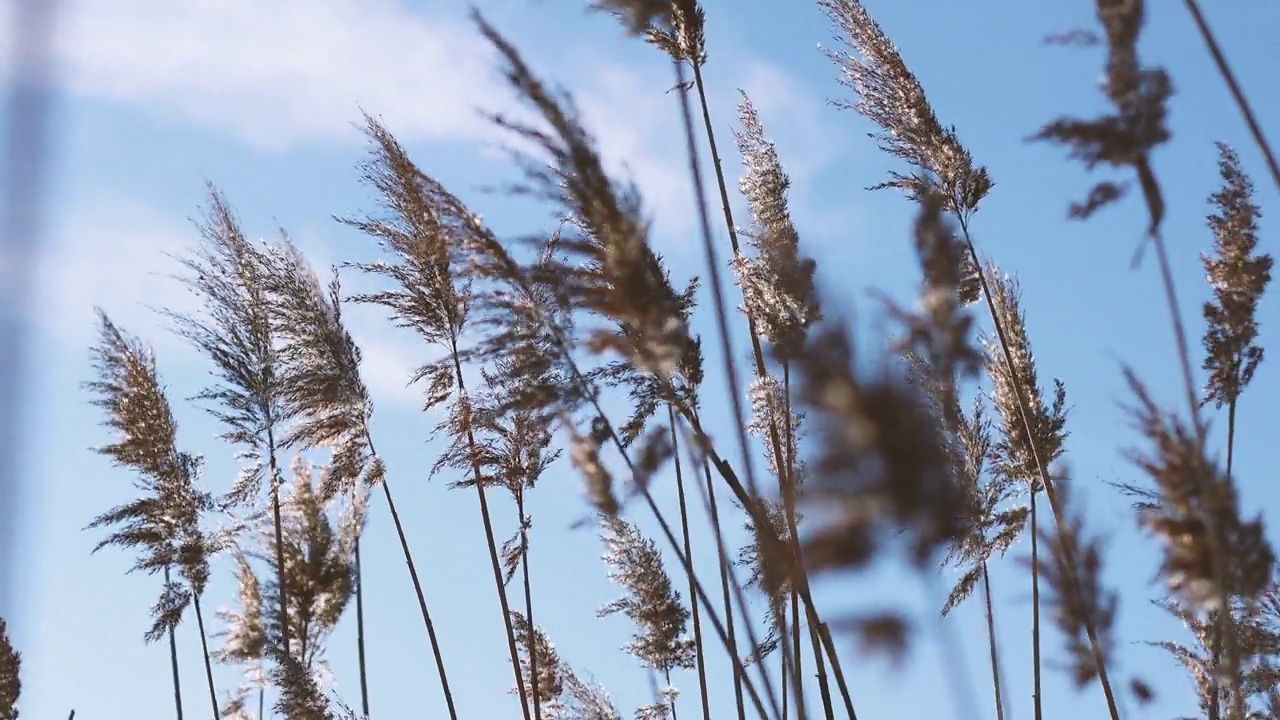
<point x="937" y="453"/>
<point x="10" y="682"/>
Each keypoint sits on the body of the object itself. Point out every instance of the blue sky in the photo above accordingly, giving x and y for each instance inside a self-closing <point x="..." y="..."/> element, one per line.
<point x="156" y="96"/>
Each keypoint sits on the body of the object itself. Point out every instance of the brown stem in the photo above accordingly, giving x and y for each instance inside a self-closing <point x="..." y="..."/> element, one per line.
<point x="824" y="688"/>
<point x="786" y="482"/>
<point x="1237" y="93"/>
<point x="364" y="677"/>
<point x="688" y="551"/>
<point x="489" y="538"/>
<point x="1215" y="707"/>
<point x="1036" y="697"/>
<point x="276" y="522"/>
<point x="724" y="588"/>
<point x="173" y="660"/>
<point x="1068" y="548"/>
<point x="795" y="652"/>
<point x="204" y="648"/>
<point x="785" y="667"/>
<point x="825" y="634"/>
<point x="422" y="600"/>
<point x="528" y="606"/>
<point x="991" y="642"/>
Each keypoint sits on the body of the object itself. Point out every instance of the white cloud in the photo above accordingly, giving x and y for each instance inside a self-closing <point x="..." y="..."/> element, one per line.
<point x="115" y="255"/>
<point x="638" y="133"/>
<point x="799" y="122"/>
<point x="389" y="357"/>
<point x="110" y="254"/>
<point x="285" y="73"/>
<point x="282" y="72"/>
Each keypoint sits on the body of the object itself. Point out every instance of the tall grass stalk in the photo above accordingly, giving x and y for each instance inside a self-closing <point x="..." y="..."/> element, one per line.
<point x="890" y="96"/>
<point x="1237" y="93"/>
<point x="235" y="333"/>
<point x="688" y="551"/>
<point x="617" y="244"/>
<point x="685" y="43"/>
<point x="424" y="228"/>
<point x="173" y="662"/>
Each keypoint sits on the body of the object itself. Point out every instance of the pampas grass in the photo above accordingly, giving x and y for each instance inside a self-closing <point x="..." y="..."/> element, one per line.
<point x="932" y="451"/>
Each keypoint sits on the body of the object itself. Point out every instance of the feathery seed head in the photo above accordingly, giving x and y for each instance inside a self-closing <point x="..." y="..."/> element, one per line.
<point x="777" y="284"/>
<point x="227" y="274"/>
<point x="1192" y="495"/>
<point x="321" y="383"/>
<point x="165" y="523"/>
<point x="610" y="269"/>
<point x="1139" y="96"/>
<point x="938" y="331"/>
<point x="1015" y="452"/>
<point x="638" y="16"/>
<point x="584" y="452"/>
<point x="10" y="682"/>
<point x="683" y="40"/>
<point x="882" y="468"/>
<point x="651" y="602"/>
<point x="769" y="410"/>
<point x="427" y="231"/>
<point x="535" y="646"/>
<point x="1239" y="276"/>
<point x="890" y="96"/>
<point x="318" y="574"/>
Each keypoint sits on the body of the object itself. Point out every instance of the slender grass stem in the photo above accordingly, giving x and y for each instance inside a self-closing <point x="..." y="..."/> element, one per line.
<point x="1237" y="93"/>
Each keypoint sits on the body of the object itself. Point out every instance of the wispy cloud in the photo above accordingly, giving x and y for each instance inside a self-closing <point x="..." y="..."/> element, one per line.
<point x="293" y="73"/>
<point x="116" y="255"/>
<point x="111" y="254"/>
<point x="280" y="73"/>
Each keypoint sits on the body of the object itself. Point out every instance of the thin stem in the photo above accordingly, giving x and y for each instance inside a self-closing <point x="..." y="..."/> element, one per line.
<point x="673" y="700"/>
<point x="731" y="479"/>
<point x="786" y="482"/>
<point x="709" y="494"/>
<point x="204" y="649"/>
<point x="173" y="660"/>
<point x="1215" y="707"/>
<point x="1037" y="696"/>
<point x="1068" y="548"/>
<point x="1237" y="93"/>
<point x="287" y="646"/>
<point x="717" y="291"/>
<point x="785" y="667"/>
<point x="795" y="654"/>
<point x="788" y="465"/>
<point x="422" y="600"/>
<point x="991" y="641"/>
<point x="489" y="536"/>
<point x="825" y="633"/>
<point x="1224" y="620"/>
<point x="528" y="606"/>
<point x="1231" y="434"/>
<point x="688" y="550"/>
<point x="364" y="676"/>
<point x="824" y="688"/>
